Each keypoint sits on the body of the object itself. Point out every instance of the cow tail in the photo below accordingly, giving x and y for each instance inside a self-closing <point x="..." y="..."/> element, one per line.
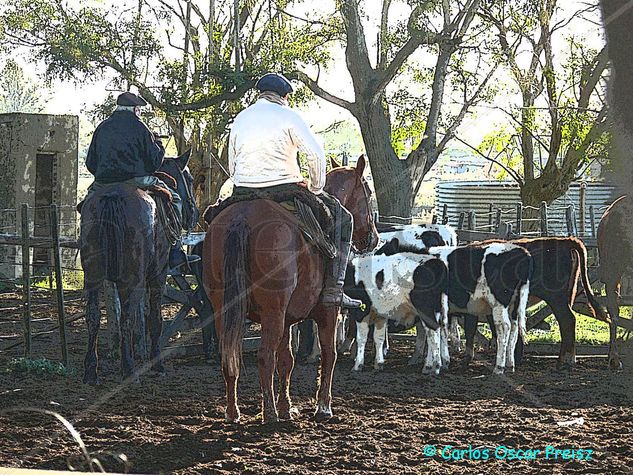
<point x="598" y="310"/>
<point x="112" y="235"/>
<point x="236" y="293"/>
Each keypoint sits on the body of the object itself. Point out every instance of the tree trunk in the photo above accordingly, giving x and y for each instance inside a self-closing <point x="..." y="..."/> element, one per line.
<point x="392" y="179"/>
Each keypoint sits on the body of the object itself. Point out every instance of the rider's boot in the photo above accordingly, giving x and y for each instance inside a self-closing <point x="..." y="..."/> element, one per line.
<point x="333" y="294"/>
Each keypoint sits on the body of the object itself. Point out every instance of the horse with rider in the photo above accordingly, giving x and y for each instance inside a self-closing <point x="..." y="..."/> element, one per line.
<point x="276" y="251"/>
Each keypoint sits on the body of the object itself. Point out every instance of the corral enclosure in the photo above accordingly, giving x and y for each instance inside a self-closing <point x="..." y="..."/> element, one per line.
<point x="39" y="163"/>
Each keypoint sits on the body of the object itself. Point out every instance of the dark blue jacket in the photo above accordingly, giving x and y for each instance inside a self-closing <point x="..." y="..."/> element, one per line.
<point x="122" y="148"/>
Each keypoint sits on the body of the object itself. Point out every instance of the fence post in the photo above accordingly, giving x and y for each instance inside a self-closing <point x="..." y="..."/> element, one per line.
<point x="498" y="221"/>
<point x="544" y="222"/>
<point x="592" y="218"/>
<point x="583" y="208"/>
<point x="445" y="214"/>
<point x="490" y="211"/>
<point x="472" y="221"/>
<point x="519" y="222"/>
<point x="59" y="282"/>
<point x="569" y="217"/>
<point x="26" y="280"/>
<point x="460" y="223"/>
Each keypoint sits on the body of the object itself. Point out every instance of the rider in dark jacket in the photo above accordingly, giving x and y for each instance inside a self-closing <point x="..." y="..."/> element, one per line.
<point x="124" y="150"/>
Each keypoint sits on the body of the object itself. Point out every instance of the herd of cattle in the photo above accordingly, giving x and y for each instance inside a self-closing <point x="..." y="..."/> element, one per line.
<point x="420" y="277"/>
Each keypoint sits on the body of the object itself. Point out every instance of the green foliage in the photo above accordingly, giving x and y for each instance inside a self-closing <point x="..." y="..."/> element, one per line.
<point x="18" y="92"/>
<point x="39" y="367"/>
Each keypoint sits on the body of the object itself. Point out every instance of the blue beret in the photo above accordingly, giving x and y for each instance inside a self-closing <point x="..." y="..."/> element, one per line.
<point x="130" y="100"/>
<point x="276" y="83"/>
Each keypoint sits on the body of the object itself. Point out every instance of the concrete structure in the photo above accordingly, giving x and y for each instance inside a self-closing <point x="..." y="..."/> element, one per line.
<point x="38" y="166"/>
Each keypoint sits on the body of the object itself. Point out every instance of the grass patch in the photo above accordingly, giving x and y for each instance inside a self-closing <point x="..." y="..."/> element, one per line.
<point x="40" y="367"/>
<point x="71" y="280"/>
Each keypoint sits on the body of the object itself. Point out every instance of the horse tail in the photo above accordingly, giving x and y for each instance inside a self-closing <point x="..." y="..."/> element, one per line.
<point x="236" y="293"/>
<point x="112" y="235"/>
<point x="598" y="310"/>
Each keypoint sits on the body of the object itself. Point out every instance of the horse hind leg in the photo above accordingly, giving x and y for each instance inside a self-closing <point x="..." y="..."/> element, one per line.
<point x="285" y="364"/>
<point x="93" y="321"/>
<point x="155" y="322"/>
<point x="130" y="305"/>
<point x="272" y="335"/>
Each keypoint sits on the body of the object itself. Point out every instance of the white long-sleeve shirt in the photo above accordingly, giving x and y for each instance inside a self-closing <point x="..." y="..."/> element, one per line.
<point x="263" y="147"/>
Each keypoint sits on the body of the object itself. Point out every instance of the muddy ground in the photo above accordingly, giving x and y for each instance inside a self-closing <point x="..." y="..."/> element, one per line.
<point x="384" y="422"/>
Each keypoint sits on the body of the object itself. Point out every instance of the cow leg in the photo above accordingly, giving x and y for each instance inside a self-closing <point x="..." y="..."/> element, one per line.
<point x="567" y="326"/>
<point x="512" y="341"/>
<point x="350" y="337"/>
<point x="385" y="347"/>
<point x="285" y="364"/>
<point x="433" y="363"/>
<point x="420" y="341"/>
<point x="455" y="340"/>
<point x="613" y="306"/>
<point x="470" y="329"/>
<point x="502" y="325"/>
<point x="327" y="340"/>
<point x="380" y="335"/>
<point x="362" y="332"/>
<point x="93" y="321"/>
<point x="341" y="332"/>
<point x="444" y="348"/>
<point x="294" y="339"/>
<point x="315" y="352"/>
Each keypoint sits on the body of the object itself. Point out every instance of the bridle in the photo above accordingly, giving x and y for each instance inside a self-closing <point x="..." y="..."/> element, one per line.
<point x="369" y="217"/>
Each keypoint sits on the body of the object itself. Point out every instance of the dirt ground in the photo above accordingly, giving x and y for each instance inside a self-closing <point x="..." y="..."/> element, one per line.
<point x="385" y="422"/>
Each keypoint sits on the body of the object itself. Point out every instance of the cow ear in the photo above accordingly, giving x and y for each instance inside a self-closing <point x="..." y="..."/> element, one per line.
<point x="183" y="160"/>
<point x="360" y="165"/>
<point x="334" y="163"/>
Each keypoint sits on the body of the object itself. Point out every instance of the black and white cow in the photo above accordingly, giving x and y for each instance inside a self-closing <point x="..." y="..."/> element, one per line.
<point x="419" y="235"/>
<point x="403" y="288"/>
<point x="395" y="239"/>
<point x="491" y="279"/>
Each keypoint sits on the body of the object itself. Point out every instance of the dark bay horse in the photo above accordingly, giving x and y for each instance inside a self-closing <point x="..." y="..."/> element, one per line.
<point x="124" y="241"/>
<point x="615" y="248"/>
<point x="258" y="264"/>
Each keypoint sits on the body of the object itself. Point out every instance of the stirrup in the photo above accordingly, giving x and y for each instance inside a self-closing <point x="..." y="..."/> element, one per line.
<point x="335" y="297"/>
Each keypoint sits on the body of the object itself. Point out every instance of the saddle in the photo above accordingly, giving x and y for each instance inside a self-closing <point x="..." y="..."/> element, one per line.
<point x="314" y="217"/>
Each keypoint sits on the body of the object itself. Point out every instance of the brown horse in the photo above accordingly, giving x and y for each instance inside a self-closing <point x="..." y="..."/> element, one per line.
<point x="258" y="264"/>
<point x="615" y="246"/>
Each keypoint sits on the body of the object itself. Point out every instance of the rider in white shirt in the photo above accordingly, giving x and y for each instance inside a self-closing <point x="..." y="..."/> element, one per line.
<point x="263" y="146"/>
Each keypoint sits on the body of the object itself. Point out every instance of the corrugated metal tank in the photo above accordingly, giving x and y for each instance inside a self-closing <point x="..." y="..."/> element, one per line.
<point x="477" y="196"/>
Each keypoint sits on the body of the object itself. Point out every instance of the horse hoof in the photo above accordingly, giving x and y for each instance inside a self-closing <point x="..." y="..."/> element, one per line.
<point x="379" y="366"/>
<point x="232" y="419"/>
<point x="91" y="380"/>
<point x="615" y="364"/>
<point x="270" y="419"/>
<point x="498" y="370"/>
<point x="289" y="414"/>
<point x="322" y="415"/>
